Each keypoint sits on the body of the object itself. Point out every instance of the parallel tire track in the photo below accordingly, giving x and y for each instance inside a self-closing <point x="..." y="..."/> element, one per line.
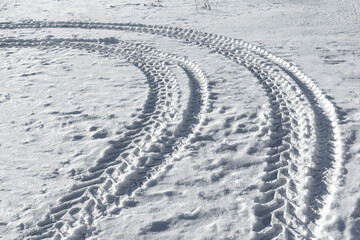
<point x="305" y="156"/>
<point x="112" y="175"/>
<point x="143" y="149"/>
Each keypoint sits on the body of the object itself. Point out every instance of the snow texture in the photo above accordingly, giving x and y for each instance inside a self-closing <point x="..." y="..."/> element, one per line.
<point x="179" y="119"/>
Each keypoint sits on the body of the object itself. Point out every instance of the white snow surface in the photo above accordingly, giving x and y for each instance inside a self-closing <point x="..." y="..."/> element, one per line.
<point x="157" y="120"/>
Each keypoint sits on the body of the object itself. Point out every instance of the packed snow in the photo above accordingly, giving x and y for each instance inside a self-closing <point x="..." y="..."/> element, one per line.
<point x="180" y="119"/>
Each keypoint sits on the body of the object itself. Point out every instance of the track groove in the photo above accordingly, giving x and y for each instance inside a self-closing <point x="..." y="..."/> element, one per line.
<point x="131" y="161"/>
<point x="305" y="156"/>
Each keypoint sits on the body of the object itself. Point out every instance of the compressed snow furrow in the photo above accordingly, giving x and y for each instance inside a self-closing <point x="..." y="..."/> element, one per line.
<point x="216" y="43"/>
<point x="325" y="129"/>
<point x="214" y="46"/>
<point x="300" y="156"/>
<point x="282" y="146"/>
<point x="198" y="100"/>
<point x="94" y="193"/>
<point x="192" y="117"/>
<point x="107" y="196"/>
<point x="158" y="79"/>
<point x="329" y="147"/>
<point x="324" y="150"/>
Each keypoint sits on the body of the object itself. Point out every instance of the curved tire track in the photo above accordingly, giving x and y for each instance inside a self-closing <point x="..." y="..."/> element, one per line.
<point x="141" y="152"/>
<point x="305" y="156"/>
<point x="113" y="175"/>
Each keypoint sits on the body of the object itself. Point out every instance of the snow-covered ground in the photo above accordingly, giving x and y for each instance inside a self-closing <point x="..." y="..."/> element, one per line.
<point x="155" y="120"/>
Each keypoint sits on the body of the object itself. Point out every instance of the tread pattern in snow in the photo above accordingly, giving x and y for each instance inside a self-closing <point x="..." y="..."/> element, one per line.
<point x="305" y="153"/>
<point x="142" y="150"/>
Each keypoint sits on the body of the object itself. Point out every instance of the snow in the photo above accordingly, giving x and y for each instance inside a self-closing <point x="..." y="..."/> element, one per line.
<point x="142" y="129"/>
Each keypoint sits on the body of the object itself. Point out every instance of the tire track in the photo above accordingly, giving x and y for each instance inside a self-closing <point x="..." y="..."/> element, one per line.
<point x="289" y="215"/>
<point x="277" y="210"/>
<point x="140" y="153"/>
<point x="96" y="193"/>
<point x="305" y="157"/>
<point x="326" y="169"/>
